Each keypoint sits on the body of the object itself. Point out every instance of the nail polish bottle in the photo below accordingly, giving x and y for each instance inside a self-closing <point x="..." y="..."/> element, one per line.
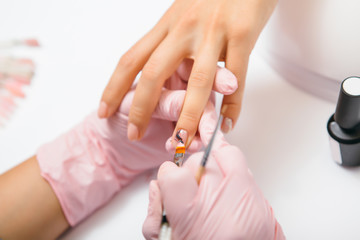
<point x="344" y="125"/>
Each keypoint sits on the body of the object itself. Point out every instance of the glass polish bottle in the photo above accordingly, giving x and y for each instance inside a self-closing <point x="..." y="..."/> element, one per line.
<point x="344" y="125"/>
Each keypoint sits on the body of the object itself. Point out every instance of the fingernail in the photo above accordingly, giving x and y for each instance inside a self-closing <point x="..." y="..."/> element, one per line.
<point x="223" y="110"/>
<point x="132" y="132"/>
<point x="15" y="88"/>
<point x="170" y="146"/>
<point x="180" y="137"/>
<point x="103" y="110"/>
<point x="226" y="125"/>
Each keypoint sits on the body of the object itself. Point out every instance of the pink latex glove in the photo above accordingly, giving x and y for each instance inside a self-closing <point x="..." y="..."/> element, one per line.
<point x="89" y="164"/>
<point x="226" y="205"/>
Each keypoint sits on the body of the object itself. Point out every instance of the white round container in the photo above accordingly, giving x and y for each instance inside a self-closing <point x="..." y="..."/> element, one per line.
<point x="314" y="44"/>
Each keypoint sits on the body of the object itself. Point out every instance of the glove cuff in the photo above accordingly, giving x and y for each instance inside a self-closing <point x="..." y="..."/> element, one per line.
<point x="79" y="166"/>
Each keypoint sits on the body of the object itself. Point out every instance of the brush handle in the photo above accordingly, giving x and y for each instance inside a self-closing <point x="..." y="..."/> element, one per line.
<point x="199" y="174"/>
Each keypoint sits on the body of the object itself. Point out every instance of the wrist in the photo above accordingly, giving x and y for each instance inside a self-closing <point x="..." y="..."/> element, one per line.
<point x="76" y="165"/>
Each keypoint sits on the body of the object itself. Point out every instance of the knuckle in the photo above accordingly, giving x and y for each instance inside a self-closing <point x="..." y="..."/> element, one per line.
<point x="112" y="94"/>
<point x="217" y="22"/>
<point x="241" y="32"/>
<point x="191" y="19"/>
<point x="190" y="118"/>
<point x="151" y="69"/>
<point x="138" y="114"/>
<point x="199" y="79"/>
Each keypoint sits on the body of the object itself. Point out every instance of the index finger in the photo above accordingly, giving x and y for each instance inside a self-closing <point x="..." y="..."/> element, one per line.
<point x="125" y="72"/>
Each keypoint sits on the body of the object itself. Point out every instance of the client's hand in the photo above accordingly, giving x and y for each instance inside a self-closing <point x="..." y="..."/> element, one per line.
<point x="89" y="164"/>
<point x="226" y="205"/>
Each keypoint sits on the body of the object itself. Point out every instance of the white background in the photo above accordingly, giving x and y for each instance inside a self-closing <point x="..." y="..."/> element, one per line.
<point x="282" y="130"/>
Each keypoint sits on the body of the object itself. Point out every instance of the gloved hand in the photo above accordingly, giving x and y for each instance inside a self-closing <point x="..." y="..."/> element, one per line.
<point x="226" y="205"/>
<point x="89" y="164"/>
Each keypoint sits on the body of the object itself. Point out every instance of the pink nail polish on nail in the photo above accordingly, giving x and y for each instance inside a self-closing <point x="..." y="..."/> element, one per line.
<point x="103" y="109"/>
<point x="132" y="132"/>
<point x="226" y="125"/>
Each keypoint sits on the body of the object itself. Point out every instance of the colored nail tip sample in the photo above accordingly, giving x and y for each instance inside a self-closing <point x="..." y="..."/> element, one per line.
<point x="26" y="61"/>
<point x="32" y="42"/>
<point x="15" y="88"/>
<point x="21" y="79"/>
<point x="4" y="113"/>
<point x="7" y="99"/>
<point x="133" y="132"/>
<point x="15" y="72"/>
<point x="8" y="105"/>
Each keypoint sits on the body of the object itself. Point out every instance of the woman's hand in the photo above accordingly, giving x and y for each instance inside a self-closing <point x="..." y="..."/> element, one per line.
<point x="203" y="30"/>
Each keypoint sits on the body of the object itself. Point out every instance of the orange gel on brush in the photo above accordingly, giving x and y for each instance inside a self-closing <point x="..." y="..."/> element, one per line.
<point x="179" y="154"/>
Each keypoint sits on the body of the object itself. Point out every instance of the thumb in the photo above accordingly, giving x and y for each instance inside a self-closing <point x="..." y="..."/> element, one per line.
<point x="170" y="104"/>
<point x="152" y="221"/>
<point x="225" y="81"/>
<point x="168" y="107"/>
<point x="178" y="188"/>
<point x="207" y="127"/>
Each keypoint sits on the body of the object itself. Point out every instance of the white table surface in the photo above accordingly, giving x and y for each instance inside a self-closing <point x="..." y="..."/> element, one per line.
<point x="282" y="130"/>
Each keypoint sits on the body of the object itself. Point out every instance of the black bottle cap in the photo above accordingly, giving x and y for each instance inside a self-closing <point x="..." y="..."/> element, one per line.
<point x="347" y="113"/>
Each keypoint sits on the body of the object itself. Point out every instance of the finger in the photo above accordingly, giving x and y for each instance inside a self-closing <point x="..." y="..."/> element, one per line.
<point x="179" y="79"/>
<point x="174" y="82"/>
<point x="231" y="161"/>
<point x="169" y="105"/>
<point x="152" y="221"/>
<point x="178" y="188"/>
<point x="184" y="70"/>
<point x="168" y="108"/>
<point x="162" y="63"/>
<point x="195" y="145"/>
<point x="128" y="67"/>
<point x="225" y="81"/>
<point x="126" y="102"/>
<point x="207" y="126"/>
<point x="198" y="91"/>
<point x="237" y="62"/>
<point x="210" y="179"/>
<point x="237" y="178"/>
